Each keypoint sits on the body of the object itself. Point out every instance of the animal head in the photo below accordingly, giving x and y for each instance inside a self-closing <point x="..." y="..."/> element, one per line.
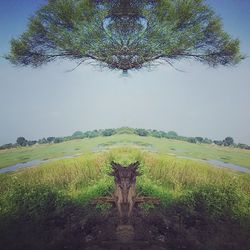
<point x="125" y="176"/>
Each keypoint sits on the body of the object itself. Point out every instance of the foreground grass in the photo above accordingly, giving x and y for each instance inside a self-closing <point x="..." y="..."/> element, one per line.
<point x="80" y="179"/>
<point x="196" y="189"/>
<point x="178" y="148"/>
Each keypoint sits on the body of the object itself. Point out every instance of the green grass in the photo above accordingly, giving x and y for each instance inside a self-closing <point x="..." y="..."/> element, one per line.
<point x="166" y="146"/>
<point x="32" y="197"/>
<point x="82" y="178"/>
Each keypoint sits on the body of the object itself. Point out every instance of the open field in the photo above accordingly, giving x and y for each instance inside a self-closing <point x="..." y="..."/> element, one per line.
<point x="50" y="206"/>
<point x="176" y="148"/>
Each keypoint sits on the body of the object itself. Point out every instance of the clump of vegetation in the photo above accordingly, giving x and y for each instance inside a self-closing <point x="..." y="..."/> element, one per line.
<point x="146" y="207"/>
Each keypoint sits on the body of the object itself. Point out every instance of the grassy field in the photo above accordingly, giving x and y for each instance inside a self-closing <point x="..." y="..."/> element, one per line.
<point x="78" y="176"/>
<point x="206" y="198"/>
<point x="161" y="145"/>
<point x="49" y="206"/>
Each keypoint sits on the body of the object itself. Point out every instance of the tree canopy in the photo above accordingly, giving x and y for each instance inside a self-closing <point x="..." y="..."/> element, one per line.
<point x="21" y="141"/>
<point x="124" y="34"/>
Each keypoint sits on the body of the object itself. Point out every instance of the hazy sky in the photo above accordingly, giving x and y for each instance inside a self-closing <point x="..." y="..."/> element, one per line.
<point x="37" y="103"/>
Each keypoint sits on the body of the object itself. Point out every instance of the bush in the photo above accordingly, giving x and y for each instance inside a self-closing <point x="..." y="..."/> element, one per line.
<point x="216" y="201"/>
<point x="33" y="201"/>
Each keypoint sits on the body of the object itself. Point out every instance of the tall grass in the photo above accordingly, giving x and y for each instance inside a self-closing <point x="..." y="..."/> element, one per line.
<point x="195" y="184"/>
<point x="179" y="174"/>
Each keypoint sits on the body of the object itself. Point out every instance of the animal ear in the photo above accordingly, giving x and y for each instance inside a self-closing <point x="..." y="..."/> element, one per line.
<point x="113" y="164"/>
<point x="134" y="165"/>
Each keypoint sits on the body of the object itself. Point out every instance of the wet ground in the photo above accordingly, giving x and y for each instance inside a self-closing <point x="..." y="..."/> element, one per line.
<point x="232" y="166"/>
<point x="219" y="164"/>
<point x="33" y="163"/>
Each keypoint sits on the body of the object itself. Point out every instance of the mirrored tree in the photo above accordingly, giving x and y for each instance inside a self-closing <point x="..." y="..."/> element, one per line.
<point x="125" y="34"/>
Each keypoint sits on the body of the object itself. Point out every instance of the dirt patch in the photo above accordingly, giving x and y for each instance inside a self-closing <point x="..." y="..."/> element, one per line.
<point x="135" y="234"/>
<point x="157" y="230"/>
<point x="87" y="228"/>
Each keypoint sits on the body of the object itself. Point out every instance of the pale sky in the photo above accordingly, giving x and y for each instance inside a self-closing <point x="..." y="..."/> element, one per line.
<point x="201" y="101"/>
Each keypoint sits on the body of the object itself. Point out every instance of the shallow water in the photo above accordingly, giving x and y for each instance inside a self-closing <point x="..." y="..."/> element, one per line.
<point x="101" y="147"/>
<point x="232" y="166"/>
<point x="33" y="163"/>
<point x="220" y="164"/>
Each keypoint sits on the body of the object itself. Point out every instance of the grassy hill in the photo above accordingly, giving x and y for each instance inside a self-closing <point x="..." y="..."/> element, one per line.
<point x="50" y="207"/>
<point x="236" y="156"/>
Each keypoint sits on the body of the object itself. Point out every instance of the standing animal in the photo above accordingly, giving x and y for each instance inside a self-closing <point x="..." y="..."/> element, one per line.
<point x="125" y="190"/>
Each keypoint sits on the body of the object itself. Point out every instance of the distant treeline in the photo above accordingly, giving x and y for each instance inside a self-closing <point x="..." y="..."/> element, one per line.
<point x="22" y="142"/>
